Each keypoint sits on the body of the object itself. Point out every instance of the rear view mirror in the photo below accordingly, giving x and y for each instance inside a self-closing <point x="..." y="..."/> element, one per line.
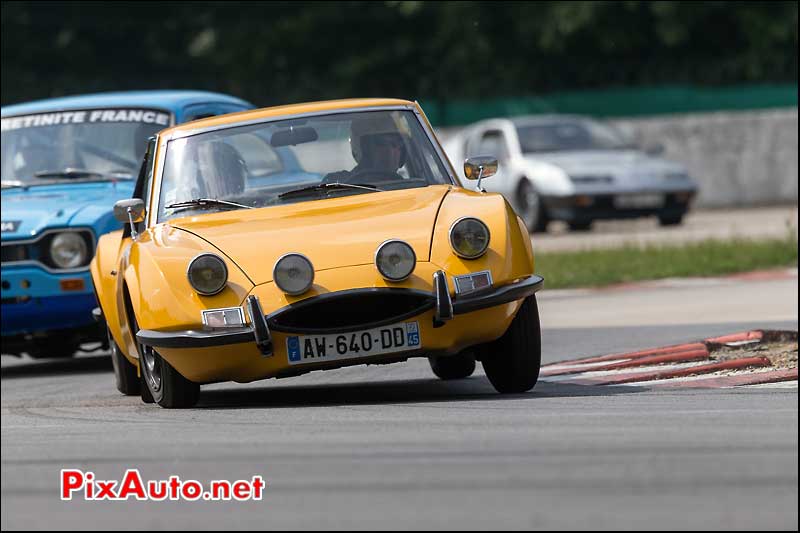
<point x="479" y="167"/>
<point x="293" y="136"/>
<point x="130" y="210"/>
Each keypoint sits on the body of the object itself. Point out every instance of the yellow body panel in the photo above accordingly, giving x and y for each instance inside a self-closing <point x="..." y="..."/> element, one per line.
<point x="339" y="236"/>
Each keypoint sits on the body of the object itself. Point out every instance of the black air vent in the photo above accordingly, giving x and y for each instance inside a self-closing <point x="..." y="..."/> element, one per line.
<point x="351" y="310"/>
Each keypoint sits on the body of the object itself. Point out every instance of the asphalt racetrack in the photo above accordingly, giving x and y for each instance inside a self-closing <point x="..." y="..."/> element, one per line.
<point x="391" y="447"/>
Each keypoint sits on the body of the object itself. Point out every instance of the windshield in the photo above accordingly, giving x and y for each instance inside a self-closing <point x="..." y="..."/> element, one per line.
<point x="297" y="160"/>
<point x="569" y="135"/>
<point x="73" y="145"/>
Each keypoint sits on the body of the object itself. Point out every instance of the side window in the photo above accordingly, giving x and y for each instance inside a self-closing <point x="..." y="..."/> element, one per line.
<point x="143" y="182"/>
<point x="493" y="142"/>
<point x="198" y="111"/>
<point x="232" y="108"/>
<point x="149" y="165"/>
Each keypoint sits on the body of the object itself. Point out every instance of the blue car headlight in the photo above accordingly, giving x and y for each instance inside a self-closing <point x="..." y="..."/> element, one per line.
<point x="68" y="250"/>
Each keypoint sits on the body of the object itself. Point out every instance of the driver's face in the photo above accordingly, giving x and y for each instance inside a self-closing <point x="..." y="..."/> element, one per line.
<point x="386" y="151"/>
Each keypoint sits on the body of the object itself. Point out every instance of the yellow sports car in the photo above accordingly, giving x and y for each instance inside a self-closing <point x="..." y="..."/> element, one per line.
<point x="274" y="242"/>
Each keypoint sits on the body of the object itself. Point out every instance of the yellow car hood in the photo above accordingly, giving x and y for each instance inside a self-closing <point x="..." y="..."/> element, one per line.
<point x="334" y="232"/>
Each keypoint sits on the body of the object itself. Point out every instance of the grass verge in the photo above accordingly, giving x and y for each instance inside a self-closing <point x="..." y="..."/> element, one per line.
<point x="596" y="268"/>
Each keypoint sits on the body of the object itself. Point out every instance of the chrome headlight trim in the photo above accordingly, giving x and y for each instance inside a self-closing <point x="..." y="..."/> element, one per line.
<point x="204" y="292"/>
<point x="378" y="263"/>
<point x="289" y="290"/>
<point x="77" y="242"/>
<point x="453" y="228"/>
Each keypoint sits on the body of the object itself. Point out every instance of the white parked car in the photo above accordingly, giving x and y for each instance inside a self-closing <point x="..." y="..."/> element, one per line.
<point x="575" y="169"/>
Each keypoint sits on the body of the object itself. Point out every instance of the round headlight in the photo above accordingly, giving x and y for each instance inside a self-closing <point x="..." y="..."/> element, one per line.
<point x="395" y="260"/>
<point x="294" y="274"/>
<point x="207" y="274"/>
<point x="469" y="238"/>
<point x="68" y="250"/>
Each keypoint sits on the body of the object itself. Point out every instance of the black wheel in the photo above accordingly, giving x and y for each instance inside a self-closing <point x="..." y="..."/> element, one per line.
<point x="146" y="396"/>
<point x="134" y="326"/>
<point x="159" y="382"/>
<point x="670" y="220"/>
<point x="532" y="211"/>
<point x="583" y="225"/>
<point x="124" y="372"/>
<point x="512" y="362"/>
<point x="52" y="350"/>
<point x="166" y="385"/>
<point x="453" y="367"/>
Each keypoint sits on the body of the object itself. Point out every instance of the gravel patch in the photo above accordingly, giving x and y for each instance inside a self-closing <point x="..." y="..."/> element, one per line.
<point x="779" y="347"/>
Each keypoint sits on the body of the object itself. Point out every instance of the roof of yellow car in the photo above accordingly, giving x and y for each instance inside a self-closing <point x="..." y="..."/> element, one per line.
<point x="284" y="110"/>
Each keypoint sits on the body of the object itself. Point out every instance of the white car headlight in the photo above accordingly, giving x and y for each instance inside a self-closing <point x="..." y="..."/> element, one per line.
<point x="294" y="274"/>
<point x="68" y="250"/>
<point x="207" y="274"/>
<point x="469" y="238"/>
<point x="395" y="260"/>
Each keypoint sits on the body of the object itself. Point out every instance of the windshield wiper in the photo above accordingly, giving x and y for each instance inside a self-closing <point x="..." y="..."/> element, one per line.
<point x="207" y="202"/>
<point x="328" y="186"/>
<point x="78" y="173"/>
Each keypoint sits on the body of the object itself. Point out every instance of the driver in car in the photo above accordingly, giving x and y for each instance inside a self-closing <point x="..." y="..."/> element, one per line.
<point x="214" y="169"/>
<point x="379" y="149"/>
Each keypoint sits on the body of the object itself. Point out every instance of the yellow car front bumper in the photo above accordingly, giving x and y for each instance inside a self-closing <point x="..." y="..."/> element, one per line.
<point x="447" y="325"/>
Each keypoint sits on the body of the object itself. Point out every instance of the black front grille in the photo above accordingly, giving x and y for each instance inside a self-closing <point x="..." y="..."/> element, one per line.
<point x="351" y="310"/>
<point x="13" y="252"/>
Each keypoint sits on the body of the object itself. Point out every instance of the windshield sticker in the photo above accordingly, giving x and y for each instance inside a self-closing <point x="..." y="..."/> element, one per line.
<point x="89" y="116"/>
<point x="10" y="226"/>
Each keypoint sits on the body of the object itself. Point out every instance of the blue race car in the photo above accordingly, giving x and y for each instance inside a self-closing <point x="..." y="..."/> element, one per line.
<point x="65" y="162"/>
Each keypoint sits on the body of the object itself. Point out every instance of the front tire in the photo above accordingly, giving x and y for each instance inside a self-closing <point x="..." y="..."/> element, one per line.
<point x="159" y="382"/>
<point x="453" y="367"/>
<point x="52" y="349"/>
<point x="583" y="225"/>
<point x="531" y="209"/>
<point x="512" y="362"/>
<point x="166" y="386"/>
<point x="670" y="220"/>
<point x="124" y="372"/>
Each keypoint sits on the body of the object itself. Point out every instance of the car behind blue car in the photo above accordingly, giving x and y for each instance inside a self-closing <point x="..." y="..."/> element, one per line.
<point x="65" y="162"/>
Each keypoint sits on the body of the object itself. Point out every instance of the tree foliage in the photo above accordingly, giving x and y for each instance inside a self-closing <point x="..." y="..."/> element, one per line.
<point x="280" y="52"/>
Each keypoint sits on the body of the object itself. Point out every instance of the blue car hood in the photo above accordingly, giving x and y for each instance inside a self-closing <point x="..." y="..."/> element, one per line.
<point x="28" y="212"/>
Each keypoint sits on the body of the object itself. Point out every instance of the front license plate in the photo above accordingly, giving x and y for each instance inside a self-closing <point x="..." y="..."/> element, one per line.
<point x="639" y="201"/>
<point x="399" y="337"/>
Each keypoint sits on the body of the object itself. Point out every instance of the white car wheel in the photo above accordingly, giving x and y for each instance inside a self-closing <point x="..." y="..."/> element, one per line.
<point x="531" y="209"/>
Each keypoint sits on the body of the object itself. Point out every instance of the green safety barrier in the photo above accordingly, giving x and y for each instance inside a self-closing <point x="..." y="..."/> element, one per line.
<point x="626" y="102"/>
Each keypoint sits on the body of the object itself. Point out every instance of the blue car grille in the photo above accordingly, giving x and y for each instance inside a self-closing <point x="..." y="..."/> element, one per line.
<point x="14" y="252"/>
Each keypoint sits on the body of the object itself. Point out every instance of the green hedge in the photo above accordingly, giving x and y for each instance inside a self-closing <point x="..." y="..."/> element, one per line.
<point x="624" y="102"/>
